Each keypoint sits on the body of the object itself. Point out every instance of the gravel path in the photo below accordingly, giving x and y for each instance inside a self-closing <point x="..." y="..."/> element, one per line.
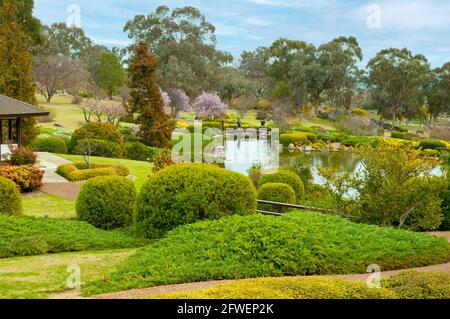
<point x="154" y="291"/>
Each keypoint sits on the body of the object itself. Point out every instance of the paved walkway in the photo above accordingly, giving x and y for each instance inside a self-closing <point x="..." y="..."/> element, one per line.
<point x="159" y="290"/>
<point x="55" y="184"/>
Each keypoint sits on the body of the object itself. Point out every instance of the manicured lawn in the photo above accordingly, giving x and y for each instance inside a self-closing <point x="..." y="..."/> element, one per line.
<point x="28" y="236"/>
<point x="50" y="206"/>
<point x="141" y="170"/>
<point x="302" y="243"/>
<point x="37" y="276"/>
<point x="67" y="114"/>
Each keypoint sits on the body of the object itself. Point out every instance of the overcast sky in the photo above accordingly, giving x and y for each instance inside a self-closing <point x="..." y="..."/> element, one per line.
<point x="420" y="25"/>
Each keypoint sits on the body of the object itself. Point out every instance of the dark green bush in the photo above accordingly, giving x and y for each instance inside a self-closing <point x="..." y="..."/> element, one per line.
<point x="97" y="131"/>
<point x="432" y="145"/>
<point x="27" y="236"/>
<point x="107" y="202"/>
<point x="100" y="148"/>
<point x="81" y="171"/>
<point x="186" y="193"/>
<point x="276" y="192"/>
<point x="50" y="144"/>
<point x="355" y="141"/>
<point x="10" y="198"/>
<point x="400" y="135"/>
<point x="285" y="177"/>
<point x="141" y="152"/>
<point x="301" y="243"/>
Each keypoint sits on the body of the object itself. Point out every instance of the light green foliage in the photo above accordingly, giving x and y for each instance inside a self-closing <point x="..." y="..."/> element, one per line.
<point x="276" y="192"/>
<point x="186" y="193"/>
<point x="286" y="177"/>
<point x="10" y="198"/>
<point x="82" y="171"/>
<point x="27" y="236"/>
<point x="297" y="137"/>
<point x="420" y="285"/>
<point x="110" y="73"/>
<point x="301" y="243"/>
<point x="107" y="202"/>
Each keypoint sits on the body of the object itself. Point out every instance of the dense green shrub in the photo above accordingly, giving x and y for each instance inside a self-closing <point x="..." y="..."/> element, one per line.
<point x="276" y="192"/>
<point x="81" y="171"/>
<point x="432" y="145"/>
<point x="303" y="171"/>
<point x="446" y="209"/>
<point x="107" y="202"/>
<point x="355" y="141"/>
<point x="286" y="177"/>
<point x="22" y="156"/>
<point x="186" y="193"/>
<point x="420" y="285"/>
<point x="207" y="125"/>
<point x="27" y="236"/>
<point x="98" y="131"/>
<point x="302" y="128"/>
<point x="27" y="177"/>
<point x="10" y="198"/>
<point x="141" y="152"/>
<point x="301" y="243"/>
<point x="400" y="135"/>
<point x="100" y="148"/>
<point x="297" y="137"/>
<point x="50" y="144"/>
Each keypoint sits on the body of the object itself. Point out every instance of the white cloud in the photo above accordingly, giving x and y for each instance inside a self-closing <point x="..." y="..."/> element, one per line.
<point x="258" y="22"/>
<point x="288" y="3"/>
<point x="403" y="15"/>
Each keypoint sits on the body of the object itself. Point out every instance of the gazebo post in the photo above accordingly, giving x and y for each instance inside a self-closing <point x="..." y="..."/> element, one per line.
<point x="10" y="130"/>
<point x="19" y="131"/>
<point x="1" y="131"/>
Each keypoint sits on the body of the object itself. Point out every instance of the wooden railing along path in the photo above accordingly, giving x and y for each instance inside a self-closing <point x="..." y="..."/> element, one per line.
<point x="284" y="205"/>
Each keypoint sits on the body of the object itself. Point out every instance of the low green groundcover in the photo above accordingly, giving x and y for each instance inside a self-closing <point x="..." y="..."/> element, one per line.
<point x="301" y="243"/>
<point x="28" y="236"/>
<point x="407" y="285"/>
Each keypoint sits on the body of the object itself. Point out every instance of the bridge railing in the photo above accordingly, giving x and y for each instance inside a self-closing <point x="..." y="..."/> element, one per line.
<point x="280" y="207"/>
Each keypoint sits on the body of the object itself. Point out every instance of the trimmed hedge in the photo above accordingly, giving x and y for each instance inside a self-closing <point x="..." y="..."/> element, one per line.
<point x="50" y="144"/>
<point x="141" y="152"/>
<point x="27" y="177"/>
<point x="432" y="145"/>
<point x="10" y="198"/>
<point x="98" y="131"/>
<point x="285" y="177"/>
<point x="406" y="285"/>
<point x="297" y="137"/>
<point x="100" y="148"/>
<point x="186" y="193"/>
<point x="301" y="243"/>
<point x="28" y="236"/>
<point x="276" y="192"/>
<point x="81" y="171"/>
<point x="107" y="202"/>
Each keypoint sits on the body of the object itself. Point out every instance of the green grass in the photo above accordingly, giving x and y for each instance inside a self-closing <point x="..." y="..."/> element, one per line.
<point x="407" y="285"/>
<point x="301" y="243"/>
<point x="68" y="115"/>
<point x="141" y="170"/>
<point x="38" y="276"/>
<point x="28" y="236"/>
<point x="50" y="206"/>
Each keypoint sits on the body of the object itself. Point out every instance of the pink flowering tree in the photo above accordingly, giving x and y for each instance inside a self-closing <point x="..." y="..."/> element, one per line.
<point x="209" y="105"/>
<point x="166" y="98"/>
<point x="113" y="112"/>
<point x="179" y="101"/>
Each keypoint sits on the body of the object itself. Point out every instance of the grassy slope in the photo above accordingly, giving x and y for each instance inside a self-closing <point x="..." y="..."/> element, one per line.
<point x="67" y="114"/>
<point x="27" y="236"/>
<point x="49" y="206"/>
<point x="37" y="276"/>
<point x="301" y="243"/>
<point x="139" y="169"/>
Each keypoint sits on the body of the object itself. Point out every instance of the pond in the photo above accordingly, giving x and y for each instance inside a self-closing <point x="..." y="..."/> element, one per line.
<point x="241" y="154"/>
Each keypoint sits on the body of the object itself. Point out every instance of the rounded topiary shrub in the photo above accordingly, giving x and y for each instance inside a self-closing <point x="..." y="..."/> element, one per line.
<point x="107" y="202"/>
<point x="186" y="193"/>
<point x="285" y="177"/>
<point x="10" y="198"/>
<point x="276" y="192"/>
<point x="50" y="144"/>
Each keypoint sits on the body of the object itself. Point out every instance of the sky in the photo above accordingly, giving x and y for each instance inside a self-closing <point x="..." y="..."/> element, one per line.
<point x="423" y="26"/>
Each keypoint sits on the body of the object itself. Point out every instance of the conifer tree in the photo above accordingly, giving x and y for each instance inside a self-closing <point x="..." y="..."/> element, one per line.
<point x="16" y="76"/>
<point x="155" y="125"/>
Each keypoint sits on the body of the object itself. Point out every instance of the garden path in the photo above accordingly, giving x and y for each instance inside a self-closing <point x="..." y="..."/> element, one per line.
<point x="55" y="184"/>
<point x="154" y="291"/>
